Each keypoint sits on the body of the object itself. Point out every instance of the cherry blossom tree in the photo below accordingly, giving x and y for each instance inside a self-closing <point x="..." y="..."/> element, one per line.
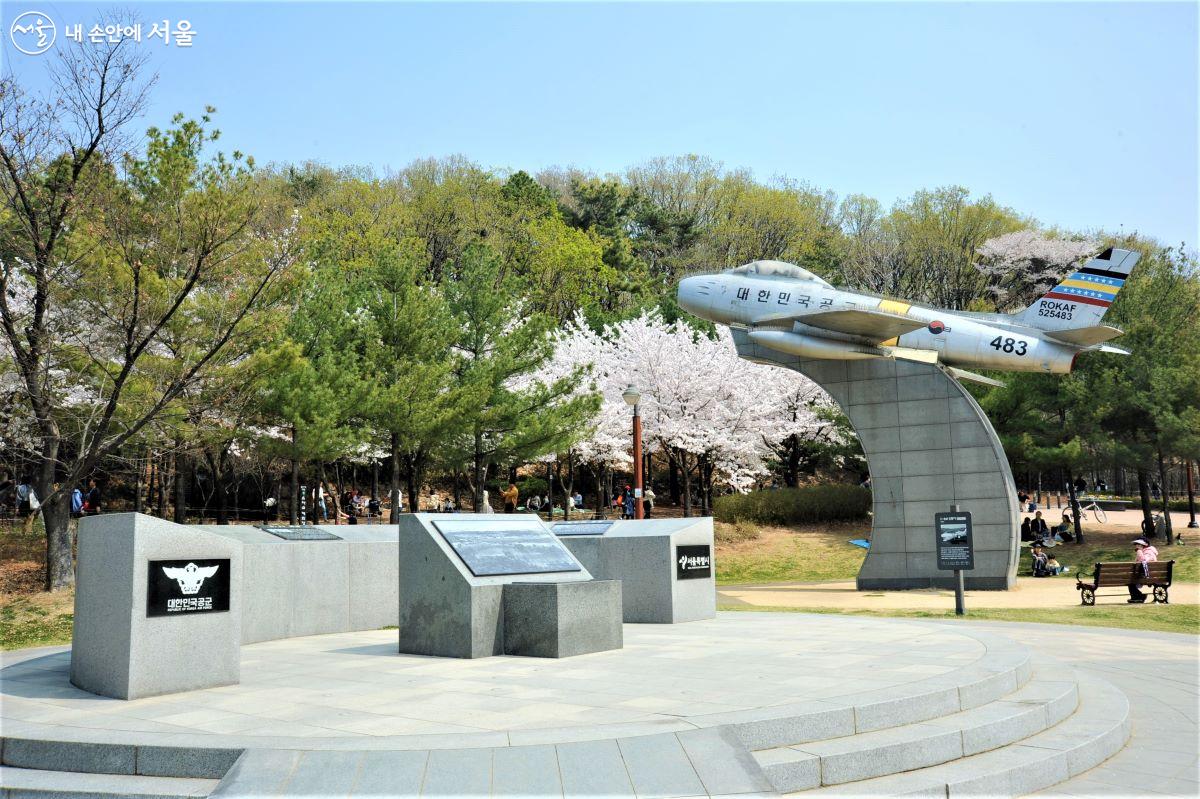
<point x="715" y="415"/>
<point x="1023" y="265"/>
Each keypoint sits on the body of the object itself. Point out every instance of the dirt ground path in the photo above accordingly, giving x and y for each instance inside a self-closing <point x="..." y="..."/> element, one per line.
<point x="1048" y="592"/>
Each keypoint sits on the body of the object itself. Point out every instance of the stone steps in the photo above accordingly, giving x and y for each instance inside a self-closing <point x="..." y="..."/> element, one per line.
<point x="1006" y="667"/>
<point x="22" y="783"/>
<point x="920" y="759"/>
<point x="1041" y="703"/>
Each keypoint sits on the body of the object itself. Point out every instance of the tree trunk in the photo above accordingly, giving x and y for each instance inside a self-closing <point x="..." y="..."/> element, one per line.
<point x="791" y="473"/>
<point x="569" y="488"/>
<point x="477" y="472"/>
<point x="1074" y="504"/>
<point x="60" y="566"/>
<point x="294" y="493"/>
<point x="1166" y="499"/>
<point x="672" y="479"/>
<point x="161" y="479"/>
<point x="374" y="478"/>
<point x="137" y="484"/>
<point x="1144" y="494"/>
<point x="181" y="479"/>
<point x="219" y="485"/>
<point x="599" y="473"/>
<point x="341" y="492"/>
<point x="687" y="486"/>
<point x="394" y="489"/>
<point x="413" y="478"/>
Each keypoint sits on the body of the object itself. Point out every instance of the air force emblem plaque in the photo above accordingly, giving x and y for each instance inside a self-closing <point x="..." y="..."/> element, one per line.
<point x="180" y="587"/>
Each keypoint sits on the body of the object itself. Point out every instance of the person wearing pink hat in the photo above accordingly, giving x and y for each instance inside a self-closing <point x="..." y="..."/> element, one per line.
<point x="1144" y="555"/>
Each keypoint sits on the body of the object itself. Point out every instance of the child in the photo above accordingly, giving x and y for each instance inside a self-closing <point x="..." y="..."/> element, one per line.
<point x="1040" y="562"/>
<point x="1053" y="566"/>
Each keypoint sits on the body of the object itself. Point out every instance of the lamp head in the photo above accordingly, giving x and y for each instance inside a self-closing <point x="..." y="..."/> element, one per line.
<point x="631" y="395"/>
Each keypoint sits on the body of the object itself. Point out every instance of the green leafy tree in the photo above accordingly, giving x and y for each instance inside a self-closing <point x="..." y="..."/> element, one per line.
<point x="166" y="244"/>
<point x="513" y="417"/>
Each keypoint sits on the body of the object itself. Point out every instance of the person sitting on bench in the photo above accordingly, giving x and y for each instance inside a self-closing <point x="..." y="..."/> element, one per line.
<point x="1145" y="555"/>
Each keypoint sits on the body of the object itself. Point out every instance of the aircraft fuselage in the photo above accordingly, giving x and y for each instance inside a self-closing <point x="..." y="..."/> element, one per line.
<point x="772" y="308"/>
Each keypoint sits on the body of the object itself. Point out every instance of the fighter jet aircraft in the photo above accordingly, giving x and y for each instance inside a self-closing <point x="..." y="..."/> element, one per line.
<point x="789" y="309"/>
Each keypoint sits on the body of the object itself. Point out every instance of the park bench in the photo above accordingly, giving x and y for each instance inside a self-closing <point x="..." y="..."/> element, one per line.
<point x="1113" y="575"/>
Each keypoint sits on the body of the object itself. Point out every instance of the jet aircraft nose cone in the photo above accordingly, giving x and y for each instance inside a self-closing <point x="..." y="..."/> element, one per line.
<point x="694" y="295"/>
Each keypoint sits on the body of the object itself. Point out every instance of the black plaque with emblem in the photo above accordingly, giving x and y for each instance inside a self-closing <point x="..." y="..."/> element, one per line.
<point x="693" y="561"/>
<point x="183" y="587"/>
<point x="955" y="548"/>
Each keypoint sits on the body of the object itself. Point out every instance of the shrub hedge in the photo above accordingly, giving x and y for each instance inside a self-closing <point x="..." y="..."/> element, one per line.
<point x="817" y="503"/>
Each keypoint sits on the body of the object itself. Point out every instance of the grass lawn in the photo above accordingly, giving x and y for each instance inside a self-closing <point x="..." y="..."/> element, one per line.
<point x="807" y="553"/>
<point x="1165" y="618"/>
<point x="40" y="619"/>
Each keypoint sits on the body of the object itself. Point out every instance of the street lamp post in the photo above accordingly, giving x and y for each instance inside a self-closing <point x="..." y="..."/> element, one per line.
<point x="632" y="396"/>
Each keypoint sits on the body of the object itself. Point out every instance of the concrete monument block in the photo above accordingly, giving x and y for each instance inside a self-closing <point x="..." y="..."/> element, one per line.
<point x="645" y="557"/>
<point x="556" y="620"/>
<point x="157" y="608"/>
<point x="292" y="588"/>
<point x="948" y="454"/>
<point x="452" y="573"/>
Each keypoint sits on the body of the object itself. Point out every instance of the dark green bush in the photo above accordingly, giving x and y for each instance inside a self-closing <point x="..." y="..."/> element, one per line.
<point x="819" y="503"/>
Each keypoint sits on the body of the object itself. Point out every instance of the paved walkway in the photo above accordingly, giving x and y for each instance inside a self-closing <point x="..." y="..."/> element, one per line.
<point x="352" y="690"/>
<point x="1048" y="592"/>
<point x="1160" y="673"/>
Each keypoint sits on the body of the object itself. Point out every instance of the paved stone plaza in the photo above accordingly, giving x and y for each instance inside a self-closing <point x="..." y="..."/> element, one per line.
<point x="354" y="686"/>
<point x="748" y="704"/>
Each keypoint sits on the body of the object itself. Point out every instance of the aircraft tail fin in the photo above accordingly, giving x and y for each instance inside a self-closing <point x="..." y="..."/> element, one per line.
<point x="1082" y="299"/>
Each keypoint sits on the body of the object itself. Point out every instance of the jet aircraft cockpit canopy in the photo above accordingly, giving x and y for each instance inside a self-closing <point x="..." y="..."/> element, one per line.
<point x="776" y="269"/>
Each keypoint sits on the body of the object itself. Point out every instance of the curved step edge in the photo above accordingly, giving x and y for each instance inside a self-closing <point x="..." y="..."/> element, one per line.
<point x="1039" y="705"/>
<point x="1095" y="732"/>
<point x="37" y="783"/>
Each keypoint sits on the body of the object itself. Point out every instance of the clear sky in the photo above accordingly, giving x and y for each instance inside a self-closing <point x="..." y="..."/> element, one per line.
<point x="1083" y="115"/>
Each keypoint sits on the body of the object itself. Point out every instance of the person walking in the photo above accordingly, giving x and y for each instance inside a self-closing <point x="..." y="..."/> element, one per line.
<point x="1145" y="555"/>
<point x="509" y="497"/>
<point x="648" y="496"/>
<point x="91" y="500"/>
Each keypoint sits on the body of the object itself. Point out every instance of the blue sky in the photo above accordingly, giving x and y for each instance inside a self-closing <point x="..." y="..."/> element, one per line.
<point x="1083" y="115"/>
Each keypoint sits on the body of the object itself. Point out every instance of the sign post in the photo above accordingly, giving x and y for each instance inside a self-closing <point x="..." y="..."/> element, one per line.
<point x="955" y="549"/>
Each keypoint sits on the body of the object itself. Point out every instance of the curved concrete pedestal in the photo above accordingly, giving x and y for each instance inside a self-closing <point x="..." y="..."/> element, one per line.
<point x="928" y="445"/>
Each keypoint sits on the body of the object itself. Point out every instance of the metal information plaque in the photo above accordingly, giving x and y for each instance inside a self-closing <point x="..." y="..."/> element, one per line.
<point x="183" y="587"/>
<point x="594" y="527"/>
<point x="506" y="550"/>
<point x="693" y="561"/>
<point x="301" y="533"/>
<point x="955" y="548"/>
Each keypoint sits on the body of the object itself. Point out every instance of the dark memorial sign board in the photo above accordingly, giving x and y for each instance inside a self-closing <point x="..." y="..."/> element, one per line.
<point x="183" y="587"/>
<point x="301" y="533"/>
<point x="596" y="527"/>
<point x="489" y="552"/>
<point x="955" y="548"/>
<point x="693" y="561"/>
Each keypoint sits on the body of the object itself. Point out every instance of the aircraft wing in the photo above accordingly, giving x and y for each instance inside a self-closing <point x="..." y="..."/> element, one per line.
<point x="877" y="325"/>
